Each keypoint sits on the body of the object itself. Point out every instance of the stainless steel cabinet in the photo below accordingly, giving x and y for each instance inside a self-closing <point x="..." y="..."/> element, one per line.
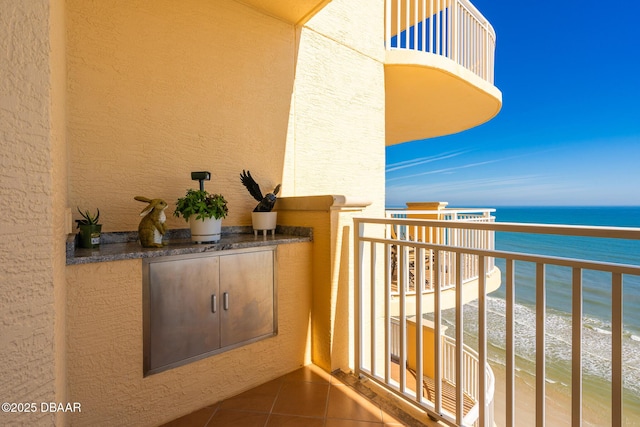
<point x="199" y="305"/>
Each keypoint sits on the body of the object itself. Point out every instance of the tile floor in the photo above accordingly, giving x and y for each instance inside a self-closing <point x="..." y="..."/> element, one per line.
<point x="308" y="397"/>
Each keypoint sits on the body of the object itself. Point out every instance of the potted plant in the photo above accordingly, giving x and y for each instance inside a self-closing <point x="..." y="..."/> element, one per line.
<point x="262" y="217"/>
<point x="204" y="213"/>
<point x="89" y="229"/>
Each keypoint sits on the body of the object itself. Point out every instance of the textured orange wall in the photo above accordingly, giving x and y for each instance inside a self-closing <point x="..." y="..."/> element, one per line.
<point x="336" y="136"/>
<point x="105" y="100"/>
<point x="160" y="88"/>
<point x="27" y="232"/>
<point x="336" y="146"/>
<point x="59" y="174"/>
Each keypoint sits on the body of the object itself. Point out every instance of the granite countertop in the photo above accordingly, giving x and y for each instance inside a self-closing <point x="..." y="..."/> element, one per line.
<point x="124" y="245"/>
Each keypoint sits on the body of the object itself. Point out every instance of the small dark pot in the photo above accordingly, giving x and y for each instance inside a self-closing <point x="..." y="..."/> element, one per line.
<point x="90" y="235"/>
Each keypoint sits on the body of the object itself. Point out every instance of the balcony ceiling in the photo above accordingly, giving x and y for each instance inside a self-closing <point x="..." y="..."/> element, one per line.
<point x="295" y="12"/>
<point x="429" y="95"/>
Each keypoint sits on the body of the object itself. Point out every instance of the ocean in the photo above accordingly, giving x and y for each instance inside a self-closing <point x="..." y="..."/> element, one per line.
<point x="597" y="307"/>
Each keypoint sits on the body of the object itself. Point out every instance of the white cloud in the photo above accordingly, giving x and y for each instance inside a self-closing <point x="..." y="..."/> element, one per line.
<point x="422" y="160"/>
<point x="445" y="170"/>
<point x="522" y="189"/>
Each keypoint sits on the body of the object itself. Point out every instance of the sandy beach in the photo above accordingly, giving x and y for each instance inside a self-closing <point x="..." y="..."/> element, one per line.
<point x="596" y="411"/>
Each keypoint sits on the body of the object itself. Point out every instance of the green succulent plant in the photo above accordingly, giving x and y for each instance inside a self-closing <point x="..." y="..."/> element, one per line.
<point x="201" y="204"/>
<point x="88" y="218"/>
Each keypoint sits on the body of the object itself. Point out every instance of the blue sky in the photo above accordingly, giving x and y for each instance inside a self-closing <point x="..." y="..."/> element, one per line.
<point x="569" y="129"/>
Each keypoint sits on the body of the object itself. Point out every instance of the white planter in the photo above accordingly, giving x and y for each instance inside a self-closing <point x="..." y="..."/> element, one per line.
<point x="264" y="221"/>
<point x="205" y="231"/>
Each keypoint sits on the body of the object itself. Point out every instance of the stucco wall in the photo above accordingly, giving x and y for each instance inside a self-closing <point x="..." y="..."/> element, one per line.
<point x="332" y="329"/>
<point x="336" y="143"/>
<point x="211" y="86"/>
<point x="27" y="231"/>
<point x="203" y="84"/>
<point x="105" y="347"/>
<point x="103" y="100"/>
<point x="59" y="174"/>
<point x="160" y="88"/>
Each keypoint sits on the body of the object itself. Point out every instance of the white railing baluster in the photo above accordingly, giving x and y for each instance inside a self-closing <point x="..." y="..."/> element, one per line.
<point x="436" y="27"/>
<point x="372" y="309"/>
<point x="419" y="338"/>
<point x="510" y="299"/>
<point x="402" y="285"/>
<point x="387" y="27"/>
<point x="448" y="29"/>
<point x="407" y="26"/>
<point x="429" y="47"/>
<point x="459" y="340"/>
<point x="423" y="19"/>
<point x="616" y="350"/>
<point x="464" y="59"/>
<point x="576" y="349"/>
<point x="398" y="23"/>
<point x="470" y="45"/>
<point x="437" y="344"/>
<point x="541" y="305"/>
<point x="387" y="309"/>
<point x="359" y="290"/>
<point x="415" y="26"/>
<point x="482" y="341"/>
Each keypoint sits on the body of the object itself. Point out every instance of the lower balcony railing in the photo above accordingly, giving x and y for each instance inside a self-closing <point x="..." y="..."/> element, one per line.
<point x="403" y="255"/>
<point x="470" y="385"/>
<point x="391" y="352"/>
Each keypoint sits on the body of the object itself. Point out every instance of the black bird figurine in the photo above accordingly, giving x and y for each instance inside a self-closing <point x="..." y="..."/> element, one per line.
<point x="267" y="201"/>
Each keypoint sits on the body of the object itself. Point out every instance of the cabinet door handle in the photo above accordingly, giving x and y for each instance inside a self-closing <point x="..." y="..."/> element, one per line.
<point x="214" y="304"/>
<point x="225" y="301"/>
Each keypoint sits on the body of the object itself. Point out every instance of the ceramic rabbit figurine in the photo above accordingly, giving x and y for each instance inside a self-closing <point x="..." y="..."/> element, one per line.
<point x="152" y="228"/>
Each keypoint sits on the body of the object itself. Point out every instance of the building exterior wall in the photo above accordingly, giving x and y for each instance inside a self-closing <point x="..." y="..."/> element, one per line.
<point x="158" y="89"/>
<point x="28" y="231"/>
<point x="217" y="86"/>
<point x="107" y="100"/>
<point x="59" y="174"/>
<point x="332" y="326"/>
<point x="336" y="146"/>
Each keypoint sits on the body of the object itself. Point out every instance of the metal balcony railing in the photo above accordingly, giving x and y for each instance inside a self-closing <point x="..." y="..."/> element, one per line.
<point x="376" y="329"/>
<point x="471" y="366"/>
<point x="454" y="29"/>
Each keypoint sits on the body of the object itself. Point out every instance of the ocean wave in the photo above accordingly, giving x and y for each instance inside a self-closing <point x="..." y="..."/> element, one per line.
<point x="596" y="342"/>
<point x="602" y="331"/>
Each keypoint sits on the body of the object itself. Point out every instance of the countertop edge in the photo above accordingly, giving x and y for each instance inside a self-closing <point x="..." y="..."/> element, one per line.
<point x="120" y="246"/>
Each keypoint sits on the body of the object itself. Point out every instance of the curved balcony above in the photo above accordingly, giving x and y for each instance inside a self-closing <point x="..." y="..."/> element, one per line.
<point x="439" y="64"/>
<point x="295" y="12"/>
